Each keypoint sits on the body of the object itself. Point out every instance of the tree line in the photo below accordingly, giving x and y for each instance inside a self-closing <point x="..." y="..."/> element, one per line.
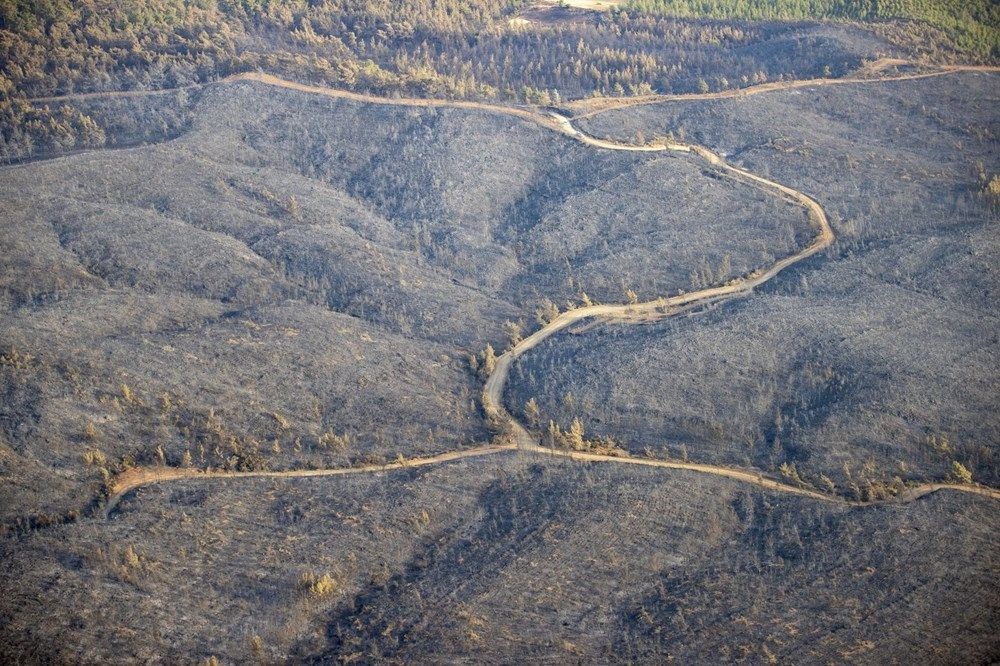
<point x="433" y="48"/>
<point x="971" y="25"/>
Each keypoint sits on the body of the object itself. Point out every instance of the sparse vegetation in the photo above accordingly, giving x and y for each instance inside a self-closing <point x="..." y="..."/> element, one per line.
<point x="514" y="333"/>
<point x="532" y="415"/>
<point x="789" y="472"/>
<point x="960" y="473"/>
<point x="574" y="440"/>
<point x="489" y="361"/>
<point x="802" y="376"/>
<point x="94" y="458"/>
<point x="131" y="558"/>
<point x="257" y="646"/>
<point x="330" y="439"/>
<point x="318" y="587"/>
<point x="546" y="312"/>
<point x="287" y="283"/>
<point x="990" y="191"/>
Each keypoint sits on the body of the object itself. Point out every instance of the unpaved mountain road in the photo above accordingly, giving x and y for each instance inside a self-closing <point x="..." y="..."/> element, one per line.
<point x="259" y="77"/>
<point x="584" y="108"/>
<point x="663" y="307"/>
<point x="143" y="476"/>
<point x="759" y="479"/>
<point x="519" y="437"/>
<point x="579" y="108"/>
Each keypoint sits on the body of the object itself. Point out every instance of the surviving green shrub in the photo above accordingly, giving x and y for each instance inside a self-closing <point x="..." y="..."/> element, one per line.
<point x="514" y="332"/>
<point x="531" y="413"/>
<point x="573" y="439"/>
<point x="94" y="458"/>
<point x="318" y="587"/>
<point x="959" y="473"/>
<point x="489" y="361"/>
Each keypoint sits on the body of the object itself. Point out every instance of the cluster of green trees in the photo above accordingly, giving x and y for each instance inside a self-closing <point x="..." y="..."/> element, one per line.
<point x="436" y="48"/>
<point x="440" y="47"/>
<point x="972" y="25"/>
<point x="29" y="130"/>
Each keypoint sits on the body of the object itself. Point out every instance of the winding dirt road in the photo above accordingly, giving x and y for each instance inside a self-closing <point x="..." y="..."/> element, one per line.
<point x="666" y="307"/>
<point x="662" y="308"/>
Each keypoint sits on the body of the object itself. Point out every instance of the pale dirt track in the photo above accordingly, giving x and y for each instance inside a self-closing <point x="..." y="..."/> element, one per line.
<point x="526" y="113"/>
<point x="646" y="311"/>
<point x="584" y="108"/>
<point x="580" y="108"/>
<point x="143" y="476"/>
<point x="758" y="479"/>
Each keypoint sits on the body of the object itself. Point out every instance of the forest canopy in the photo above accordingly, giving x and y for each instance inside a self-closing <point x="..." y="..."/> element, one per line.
<point x="429" y="48"/>
<point x="973" y="25"/>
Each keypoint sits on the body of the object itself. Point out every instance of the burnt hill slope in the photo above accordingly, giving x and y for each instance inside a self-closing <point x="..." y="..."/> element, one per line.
<point x="296" y="280"/>
<point x="882" y="355"/>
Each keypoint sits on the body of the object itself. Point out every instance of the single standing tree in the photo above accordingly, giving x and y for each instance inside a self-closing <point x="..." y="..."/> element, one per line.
<point x="531" y="413"/>
<point x="514" y="332"/>
<point x="489" y="360"/>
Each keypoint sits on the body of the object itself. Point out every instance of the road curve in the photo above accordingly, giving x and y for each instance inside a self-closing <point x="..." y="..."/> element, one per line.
<point x="661" y="308"/>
